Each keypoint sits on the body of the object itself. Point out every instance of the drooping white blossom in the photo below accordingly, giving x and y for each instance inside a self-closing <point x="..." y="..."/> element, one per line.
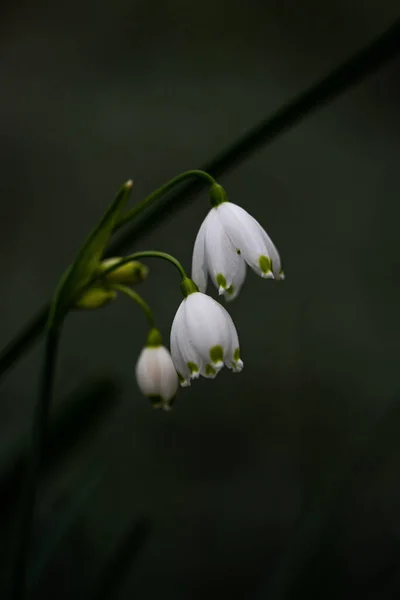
<point x="203" y="339"/>
<point x="228" y="239"/>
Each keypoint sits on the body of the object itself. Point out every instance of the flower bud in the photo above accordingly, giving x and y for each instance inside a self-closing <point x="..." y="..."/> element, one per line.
<point x="155" y="372"/>
<point x="129" y="273"/>
<point x="95" y="297"/>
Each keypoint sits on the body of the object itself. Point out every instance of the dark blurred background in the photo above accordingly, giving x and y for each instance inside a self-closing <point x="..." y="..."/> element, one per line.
<point x="279" y="482"/>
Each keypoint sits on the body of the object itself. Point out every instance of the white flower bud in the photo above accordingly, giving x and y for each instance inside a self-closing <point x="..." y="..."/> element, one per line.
<point x="156" y="376"/>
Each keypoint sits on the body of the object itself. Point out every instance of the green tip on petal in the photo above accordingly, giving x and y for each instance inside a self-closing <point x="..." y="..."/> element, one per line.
<point x="154" y="338"/>
<point x="230" y="290"/>
<point x="193" y="368"/>
<point x="236" y="364"/>
<point x="188" y="287"/>
<point x="265" y="265"/>
<point x="217" y="355"/>
<point x="210" y="371"/>
<point x="156" y="401"/>
<point x="217" y="194"/>
<point x="220" y="279"/>
<point x="180" y="377"/>
<point x="159" y="402"/>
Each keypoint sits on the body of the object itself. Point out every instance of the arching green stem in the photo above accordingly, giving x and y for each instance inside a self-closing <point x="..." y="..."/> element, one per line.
<point x="136" y="210"/>
<point x="138" y="299"/>
<point x="147" y="254"/>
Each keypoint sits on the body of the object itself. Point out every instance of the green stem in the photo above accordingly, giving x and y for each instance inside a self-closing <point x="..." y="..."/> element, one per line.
<point x="147" y="254"/>
<point x="38" y="441"/>
<point x="136" y="210"/>
<point x="136" y="298"/>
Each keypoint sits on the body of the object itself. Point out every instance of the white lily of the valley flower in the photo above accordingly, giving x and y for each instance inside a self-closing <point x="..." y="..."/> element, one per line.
<point x="156" y="376"/>
<point x="203" y="339"/>
<point x="228" y="238"/>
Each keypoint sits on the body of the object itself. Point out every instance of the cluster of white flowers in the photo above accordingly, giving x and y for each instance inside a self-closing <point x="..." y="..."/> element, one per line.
<point x="203" y="335"/>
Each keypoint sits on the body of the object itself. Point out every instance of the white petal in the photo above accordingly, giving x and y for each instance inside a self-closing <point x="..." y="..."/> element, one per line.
<point x="168" y="375"/>
<point x="155" y="373"/>
<point x="222" y="258"/>
<point x="187" y="356"/>
<point x="206" y="328"/>
<point x="178" y="333"/>
<point x="199" y="266"/>
<point x="232" y="354"/>
<point x="274" y="256"/>
<point x="193" y="359"/>
<point x="246" y="235"/>
<point x="237" y="281"/>
<point x="146" y="374"/>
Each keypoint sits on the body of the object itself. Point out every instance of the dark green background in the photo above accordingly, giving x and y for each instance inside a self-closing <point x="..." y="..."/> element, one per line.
<point x="93" y="93"/>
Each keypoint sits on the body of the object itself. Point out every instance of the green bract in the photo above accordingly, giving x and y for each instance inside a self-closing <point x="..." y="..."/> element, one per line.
<point x="86" y="265"/>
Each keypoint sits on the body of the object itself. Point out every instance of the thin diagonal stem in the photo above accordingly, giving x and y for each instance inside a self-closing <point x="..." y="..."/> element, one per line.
<point x="38" y="441"/>
<point x="138" y="299"/>
<point x="351" y="72"/>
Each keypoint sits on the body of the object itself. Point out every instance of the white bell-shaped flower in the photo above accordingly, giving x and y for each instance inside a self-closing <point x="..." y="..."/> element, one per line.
<point x="155" y="373"/>
<point x="228" y="238"/>
<point x="203" y="339"/>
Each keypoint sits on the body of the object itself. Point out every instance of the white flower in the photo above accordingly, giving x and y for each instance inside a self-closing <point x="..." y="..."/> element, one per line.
<point x="156" y="376"/>
<point x="228" y="239"/>
<point x="203" y="339"/>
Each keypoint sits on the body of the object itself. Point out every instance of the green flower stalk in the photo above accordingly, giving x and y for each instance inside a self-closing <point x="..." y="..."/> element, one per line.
<point x="203" y="335"/>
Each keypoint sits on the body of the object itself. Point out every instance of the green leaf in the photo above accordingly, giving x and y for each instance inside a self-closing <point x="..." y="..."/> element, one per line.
<point x="86" y="265"/>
